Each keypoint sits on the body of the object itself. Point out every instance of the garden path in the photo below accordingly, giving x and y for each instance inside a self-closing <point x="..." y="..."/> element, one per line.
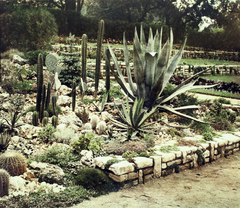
<point x="213" y="185"/>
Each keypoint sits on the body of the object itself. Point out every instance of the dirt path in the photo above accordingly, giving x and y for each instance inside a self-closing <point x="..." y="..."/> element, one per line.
<point x="215" y="185"/>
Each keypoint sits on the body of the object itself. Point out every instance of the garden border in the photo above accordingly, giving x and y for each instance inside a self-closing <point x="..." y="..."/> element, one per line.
<point x="141" y="169"/>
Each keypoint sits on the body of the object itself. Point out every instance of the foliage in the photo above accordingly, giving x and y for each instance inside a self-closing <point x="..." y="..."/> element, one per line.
<point x="144" y="154"/>
<point x="87" y="142"/>
<point x="32" y="56"/>
<point x="149" y="139"/>
<point x="47" y="134"/>
<point x="57" y="155"/>
<point x="129" y="155"/>
<point x="69" y="197"/>
<point x="65" y="135"/>
<point x="201" y="158"/>
<point x="174" y="132"/>
<point x="169" y="148"/>
<point x="111" y="162"/>
<point x="31" y="29"/>
<point x="208" y="136"/>
<point x="223" y="101"/>
<point x="116" y="92"/>
<point x="95" y="179"/>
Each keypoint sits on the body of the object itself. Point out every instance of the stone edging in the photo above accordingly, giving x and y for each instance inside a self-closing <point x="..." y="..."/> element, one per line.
<point x="142" y="169"/>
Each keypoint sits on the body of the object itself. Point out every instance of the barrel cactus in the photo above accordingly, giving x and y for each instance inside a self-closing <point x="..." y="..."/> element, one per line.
<point x="4" y="183"/>
<point x="13" y="162"/>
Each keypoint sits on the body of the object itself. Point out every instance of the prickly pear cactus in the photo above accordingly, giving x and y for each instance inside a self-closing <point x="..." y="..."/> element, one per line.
<point x="52" y="63"/>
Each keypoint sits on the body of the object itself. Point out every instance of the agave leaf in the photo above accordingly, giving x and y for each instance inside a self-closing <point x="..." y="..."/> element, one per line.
<point x="156" y="42"/>
<point x="119" y="80"/>
<point x="147" y="115"/>
<point x="187" y="107"/>
<point x="126" y="57"/>
<point x="173" y="64"/>
<point x="117" y="123"/>
<point x="181" y="114"/>
<point x="142" y="38"/>
<point x="150" y="47"/>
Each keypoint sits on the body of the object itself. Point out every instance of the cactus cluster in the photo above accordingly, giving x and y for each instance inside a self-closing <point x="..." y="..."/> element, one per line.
<point x="13" y="162"/>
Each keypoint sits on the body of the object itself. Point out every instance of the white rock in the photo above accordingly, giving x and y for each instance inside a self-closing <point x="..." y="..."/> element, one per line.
<point x="101" y="161"/>
<point x="122" y="168"/>
<point x="142" y="162"/>
<point x="17" y="183"/>
<point x="64" y="100"/>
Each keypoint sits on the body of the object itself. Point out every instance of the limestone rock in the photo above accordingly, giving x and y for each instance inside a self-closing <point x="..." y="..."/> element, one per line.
<point x="122" y="168"/>
<point x="102" y="161"/>
<point x="87" y="158"/>
<point x="29" y="131"/>
<point x="142" y="162"/>
<point x="47" y="172"/>
<point x="64" y="100"/>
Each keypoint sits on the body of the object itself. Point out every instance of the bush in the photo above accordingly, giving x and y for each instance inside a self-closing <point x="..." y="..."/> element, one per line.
<point x="28" y="29"/>
<point x="208" y="136"/>
<point x="69" y="197"/>
<point x="91" y="178"/>
<point x="32" y="56"/>
<point x="129" y="155"/>
<point x="47" y="134"/>
<point x="57" y="155"/>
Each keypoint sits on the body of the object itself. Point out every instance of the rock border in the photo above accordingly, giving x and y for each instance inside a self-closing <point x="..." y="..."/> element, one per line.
<point x="141" y="169"/>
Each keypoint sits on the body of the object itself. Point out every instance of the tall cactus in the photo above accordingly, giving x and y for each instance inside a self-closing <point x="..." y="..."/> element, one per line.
<point x="84" y="57"/>
<point x="98" y="57"/>
<point x="54" y="105"/>
<point x="48" y="96"/>
<point x="39" y="81"/>
<point x="73" y="95"/>
<point x="42" y="103"/>
<point x="107" y="53"/>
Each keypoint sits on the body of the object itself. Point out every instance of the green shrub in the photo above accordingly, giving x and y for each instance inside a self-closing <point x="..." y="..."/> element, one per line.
<point x="150" y="140"/>
<point x="208" y="136"/>
<point x="69" y="197"/>
<point x="129" y="155"/>
<point x="57" y="155"/>
<point x="144" y="154"/>
<point x="222" y="100"/>
<point x="32" y="56"/>
<point x="91" y="178"/>
<point x="169" y="148"/>
<point x="47" y="134"/>
<point x="87" y="142"/>
<point x="111" y="162"/>
<point x="174" y="132"/>
<point x="71" y="70"/>
<point x="29" y="29"/>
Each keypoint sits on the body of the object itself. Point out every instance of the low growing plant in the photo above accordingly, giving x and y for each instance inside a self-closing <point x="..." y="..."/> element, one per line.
<point x="169" y="148"/>
<point x="129" y="155"/>
<point x="47" y="134"/>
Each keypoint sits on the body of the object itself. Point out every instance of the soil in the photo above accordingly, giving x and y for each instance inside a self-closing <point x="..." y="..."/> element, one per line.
<point x="213" y="185"/>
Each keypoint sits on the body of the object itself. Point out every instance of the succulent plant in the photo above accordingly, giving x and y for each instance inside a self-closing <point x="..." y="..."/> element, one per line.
<point x="73" y="96"/>
<point x="51" y="63"/>
<point x="98" y="57"/>
<point x="35" y="118"/>
<point x="101" y="127"/>
<point x="54" y="121"/>
<point x="13" y="162"/>
<point x="48" y="96"/>
<point x="39" y="81"/>
<point x="107" y="54"/>
<point x="94" y="121"/>
<point x="4" y="183"/>
<point x="84" y="57"/>
<point x="83" y="115"/>
<point x="5" y="138"/>
<point x="153" y="68"/>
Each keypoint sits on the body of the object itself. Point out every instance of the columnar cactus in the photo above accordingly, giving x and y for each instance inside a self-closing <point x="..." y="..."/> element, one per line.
<point x="42" y="103"/>
<point x="98" y="57"/>
<point x="48" y="96"/>
<point x="39" y="81"/>
<point x="35" y="118"/>
<point x="4" y="183"/>
<point x="54" y="104"/>
<point x="73" y="96"/>
<point x="107" y="53"/>
<point x="94" y="121"/>
<point x="45" y="121"/>
<point x="54" y="121"/>
<point x="13" y="162"/>
<point x="84" y="57"/>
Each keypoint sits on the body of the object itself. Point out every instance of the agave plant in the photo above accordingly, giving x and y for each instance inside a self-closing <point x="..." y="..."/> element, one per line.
<point x="134" y="117"/>
<point x="153" y="68"/>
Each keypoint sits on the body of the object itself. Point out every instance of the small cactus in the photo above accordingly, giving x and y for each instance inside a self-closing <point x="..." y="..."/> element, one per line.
<point x="4" y="183"/>
<point x="54" y="121"/>
<point x="101" y="127"/>
<point x="94" y="121"/>
<point x="13" y="162"/>
<point x="35" y="118"/>
<point x="48" y="96"/>
<point x="54" y="105"/>
<point x="87" y="126"/>
<point x="84" y="57"/>
<point x="45" y="121"/>
<point x="42" y="103"/>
